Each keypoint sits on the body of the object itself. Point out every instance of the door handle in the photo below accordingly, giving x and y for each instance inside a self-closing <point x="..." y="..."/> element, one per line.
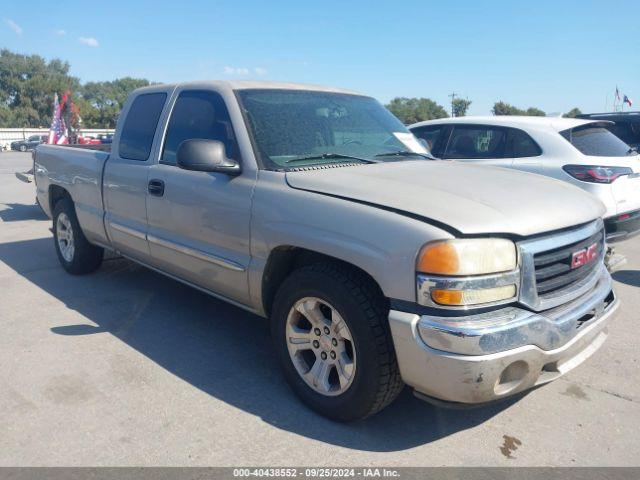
<point x="156" y="188"/>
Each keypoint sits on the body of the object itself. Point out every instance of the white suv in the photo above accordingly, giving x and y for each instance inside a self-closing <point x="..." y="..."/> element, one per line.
<point x="581" y="152"/>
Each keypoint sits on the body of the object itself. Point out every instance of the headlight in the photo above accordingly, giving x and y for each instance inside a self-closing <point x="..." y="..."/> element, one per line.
<point x="467" y="272"/>
<point x="473" y="256"/>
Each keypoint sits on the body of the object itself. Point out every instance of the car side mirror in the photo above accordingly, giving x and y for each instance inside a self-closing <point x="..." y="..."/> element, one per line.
<point x="206" y="156"/>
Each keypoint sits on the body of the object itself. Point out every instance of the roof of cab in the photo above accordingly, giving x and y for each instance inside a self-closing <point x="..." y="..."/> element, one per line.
<point x="555" y="123"/>
<point x="247" y="85"/>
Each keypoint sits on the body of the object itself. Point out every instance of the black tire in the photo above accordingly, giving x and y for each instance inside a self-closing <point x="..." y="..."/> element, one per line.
<point x="23" y="148"/>
<point x="86" y="258"/>
<point x="376" y="382"/>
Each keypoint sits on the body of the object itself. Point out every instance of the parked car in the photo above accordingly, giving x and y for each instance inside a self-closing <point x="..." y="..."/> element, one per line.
<point x="626" y="125"/>
<point x="30" y="143"/>
<point x="88" y="140"/>
<point x="105" y="138"/>
<point x="315" y="207"/>
<point x="581" y="152"/>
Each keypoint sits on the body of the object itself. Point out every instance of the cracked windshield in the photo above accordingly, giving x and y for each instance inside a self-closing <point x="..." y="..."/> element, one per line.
<point x="302" y="128"/>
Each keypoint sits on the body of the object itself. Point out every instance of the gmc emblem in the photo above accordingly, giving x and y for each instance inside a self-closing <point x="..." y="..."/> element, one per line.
<point x="582" y="257"/>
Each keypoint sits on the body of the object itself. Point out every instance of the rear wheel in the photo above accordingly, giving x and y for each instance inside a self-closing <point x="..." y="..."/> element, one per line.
<point x="23" y="148"/>
<point x="76" y="254"/>
<point x="331" y="333"/>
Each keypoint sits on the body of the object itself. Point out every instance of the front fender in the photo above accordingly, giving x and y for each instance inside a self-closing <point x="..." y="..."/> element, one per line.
<point x="384" y="244"/>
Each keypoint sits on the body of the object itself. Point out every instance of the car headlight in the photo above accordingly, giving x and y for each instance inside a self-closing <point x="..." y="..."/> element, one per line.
<point x="467" y="272"/>
<point x="472" y="256"/>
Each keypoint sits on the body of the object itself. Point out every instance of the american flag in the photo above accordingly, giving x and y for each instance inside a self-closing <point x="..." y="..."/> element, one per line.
<point x="58" y="130"/>
<point x="627" y="100"/>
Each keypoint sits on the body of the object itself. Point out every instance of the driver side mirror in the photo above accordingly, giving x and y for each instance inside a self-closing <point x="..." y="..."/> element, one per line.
<point x="205" y="156"/>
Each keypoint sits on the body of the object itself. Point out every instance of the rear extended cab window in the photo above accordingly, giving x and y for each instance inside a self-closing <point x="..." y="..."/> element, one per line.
<point x="595" y="140"/>
<point x="140" y="126"/>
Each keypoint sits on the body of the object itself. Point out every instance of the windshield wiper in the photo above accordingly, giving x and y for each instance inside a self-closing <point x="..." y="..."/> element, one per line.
<point x="329" y="156"/>
<point x="632" y="151"/>
<point x="407" y="153"/>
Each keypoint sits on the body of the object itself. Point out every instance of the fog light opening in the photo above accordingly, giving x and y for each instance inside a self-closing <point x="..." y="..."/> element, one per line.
<point x="511" y="377"/>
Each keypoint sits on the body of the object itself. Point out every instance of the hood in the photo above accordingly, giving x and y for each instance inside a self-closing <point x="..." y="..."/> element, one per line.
<point x="471" y="199"/>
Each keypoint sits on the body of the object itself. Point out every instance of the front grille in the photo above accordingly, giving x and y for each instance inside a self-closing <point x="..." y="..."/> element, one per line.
<point x="553" y="270"/>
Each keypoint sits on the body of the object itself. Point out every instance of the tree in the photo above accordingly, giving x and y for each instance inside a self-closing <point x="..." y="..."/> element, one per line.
<point x="574" y="112"/>
<point x="503" y="108"/>
<point x="27" y="87"/>
<point x="534" y="112"/>
<point x="28" y="84"/>
<point x="6" y="116"/>
<point x="412" y="110"/>
<point x="101" y="102"/>
<point x="460" y="106"/>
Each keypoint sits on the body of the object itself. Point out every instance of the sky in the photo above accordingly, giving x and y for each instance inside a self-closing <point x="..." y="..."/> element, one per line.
<point x="553" y="55"/>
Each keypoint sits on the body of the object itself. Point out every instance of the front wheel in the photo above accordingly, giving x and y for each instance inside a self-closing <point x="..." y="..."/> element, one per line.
<point x="23" y="148"/>
<point x="331" y="334"/>
<point x="76" y="254"/>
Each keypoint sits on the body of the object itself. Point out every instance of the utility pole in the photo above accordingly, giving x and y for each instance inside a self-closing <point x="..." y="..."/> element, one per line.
<point x="453" y="97"/>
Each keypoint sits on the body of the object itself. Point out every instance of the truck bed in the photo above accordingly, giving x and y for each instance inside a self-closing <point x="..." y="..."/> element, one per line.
<point x="78" y="170"/>
<point x="103" y="147"/>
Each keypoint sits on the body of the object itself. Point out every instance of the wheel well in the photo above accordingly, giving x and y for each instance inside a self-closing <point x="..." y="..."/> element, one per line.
<point x="285" y="259"/>
<point x="56" y="193"/>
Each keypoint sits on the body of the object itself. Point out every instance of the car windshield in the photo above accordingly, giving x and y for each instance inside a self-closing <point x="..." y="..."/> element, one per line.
<point x="298" y="128"/>
<point x="597" y="141"/>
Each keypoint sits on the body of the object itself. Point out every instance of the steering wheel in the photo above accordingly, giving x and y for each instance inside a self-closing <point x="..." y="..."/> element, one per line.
<point x="351" y="142"/>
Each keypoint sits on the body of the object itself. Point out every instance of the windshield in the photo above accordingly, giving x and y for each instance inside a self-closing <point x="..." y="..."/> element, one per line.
<point x="297" y="128"/>
<point x="596" y="141"/>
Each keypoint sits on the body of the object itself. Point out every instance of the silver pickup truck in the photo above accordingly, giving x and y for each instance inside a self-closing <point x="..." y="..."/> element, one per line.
<point x="377" y="265"/>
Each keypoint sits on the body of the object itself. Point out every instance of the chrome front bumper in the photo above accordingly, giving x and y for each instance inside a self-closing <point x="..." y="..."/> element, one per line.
<point x="483" y="357"/>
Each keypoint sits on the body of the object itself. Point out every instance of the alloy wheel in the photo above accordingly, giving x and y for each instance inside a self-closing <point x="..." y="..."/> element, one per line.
<point x="321" y="346"/>
<point x="64" y="234"/>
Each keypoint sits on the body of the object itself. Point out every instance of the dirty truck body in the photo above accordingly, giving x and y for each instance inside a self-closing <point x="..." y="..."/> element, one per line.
<point x="314" y="207"/>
